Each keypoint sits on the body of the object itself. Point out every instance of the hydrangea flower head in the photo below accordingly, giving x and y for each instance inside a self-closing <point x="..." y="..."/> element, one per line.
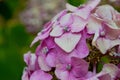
<point x="79" y="43"/>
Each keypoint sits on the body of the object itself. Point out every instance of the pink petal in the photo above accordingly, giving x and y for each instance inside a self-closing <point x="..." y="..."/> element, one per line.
<point x="49" y="42"/>
<point x="82" y="49"/>
<point x="34" y="41"/>
<point x="39" y="48"/>
<point x="92" y="78"/>
<point x="62" y="56"/>
<point x="94" y="27"/>
<point x="25" y="75"/>
<point x="72" y="77"/>
<point x="41" y="36"/>
<point x="80" y="67"/>
<point x="43" y="64"/>
<point x="105" y="77"/>
<point x="66" y="20"/>
<point x="93" y="3"/>
<point x="40" y="75"/>
<point x="111" y="33"/>
<point x="83" y="13"/>
<point x="68" y="41"/>
<point x="30" y="60"/>
<point x="78" y="24"/>
<point x="56" y="31"/>
<point x="62" y="75"/>
<point x="51" y="59"/>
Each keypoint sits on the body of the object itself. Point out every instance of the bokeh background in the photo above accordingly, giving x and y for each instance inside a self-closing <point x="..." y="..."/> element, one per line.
<point x="20" y="21"/>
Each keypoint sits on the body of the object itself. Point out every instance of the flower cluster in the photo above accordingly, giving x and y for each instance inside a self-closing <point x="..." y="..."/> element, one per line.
<point x="74" y="42"/>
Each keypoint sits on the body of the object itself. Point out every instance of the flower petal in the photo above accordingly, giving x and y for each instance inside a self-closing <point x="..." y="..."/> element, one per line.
<point x="25" y="75"/>
<point x="82" y="49"/>
<point x="41" y="36"/>
<point x="78" y="24"/>
<point x="70" y="7"/>
<point x="80" y="67"/>
<point x="105" y="77"/>
<point x="83" y="13"/>
<point x="40" y="75"/>
<point x="68" y="41"/>
<point x="86" y="10"/>
<point x="51" y="59"/>
<point x="43" y="64"/>
<point x="111" y="33"/>
<point x="105" y="12"/>
<point x="56" y="31"/>
<point x="104" y="44"/>
<point x="62" y="75"/>
<point x="30" y="60"/>
<point x="59" y="15"/>
<point x="94" y="25"/>
<point x="66" y="20"/>
<point x="110" y="69"/>
<point x="92" y="4"/>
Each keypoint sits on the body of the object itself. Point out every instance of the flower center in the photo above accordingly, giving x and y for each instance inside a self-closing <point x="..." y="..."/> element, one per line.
<point x="45" y="50"/>
<point x="102" y="33"/>
<point x="66" y="29"/>
<point x="68" y="67"/>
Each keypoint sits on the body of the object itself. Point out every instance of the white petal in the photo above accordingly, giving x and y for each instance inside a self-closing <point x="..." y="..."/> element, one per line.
<point x="104" y="44"/>
<point x="94" y="25"/>
<point x="66" y="20"/>
<point x="110" y="69"/>
<point x="70" y="7"/>
<point x="78" y="24"/>
<point x="68" y="41"/>
<point x="92" y="3"/>
<point x="57" y="31"/>
<point x="83" y="13"/>
<point x="105" y="12"/>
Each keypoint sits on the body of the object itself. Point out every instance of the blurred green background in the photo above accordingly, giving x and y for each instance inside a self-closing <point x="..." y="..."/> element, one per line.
<point x="15" y="39"/>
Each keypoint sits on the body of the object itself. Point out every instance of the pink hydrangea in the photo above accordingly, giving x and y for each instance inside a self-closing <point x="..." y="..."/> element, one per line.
<point x="104" y="23"/>
<point x="67" y="28"/>
<point x="73" y="70"/>
<point x="65" y="51"/>
<point x="33" y="72"/>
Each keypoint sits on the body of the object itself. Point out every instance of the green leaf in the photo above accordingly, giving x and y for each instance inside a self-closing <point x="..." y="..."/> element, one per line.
<point x="99" y="67"/>
<point x="76" y="2"/>
<point x="105" y="59"/>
